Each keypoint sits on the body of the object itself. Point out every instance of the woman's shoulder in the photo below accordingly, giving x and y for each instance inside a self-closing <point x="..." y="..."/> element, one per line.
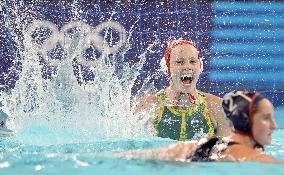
<point x="212" y="98"/>
<point x="214" y="105"/>
<point x="145" y="102"/>
<point x="241" y="152"/>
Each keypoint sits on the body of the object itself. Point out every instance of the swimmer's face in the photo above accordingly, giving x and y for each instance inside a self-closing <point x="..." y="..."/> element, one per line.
<point x="263" y="122"/>
<point x="184" y="66"/>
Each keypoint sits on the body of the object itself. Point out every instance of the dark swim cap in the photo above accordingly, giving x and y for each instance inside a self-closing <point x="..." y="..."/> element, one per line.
<point x="239" y="107"/>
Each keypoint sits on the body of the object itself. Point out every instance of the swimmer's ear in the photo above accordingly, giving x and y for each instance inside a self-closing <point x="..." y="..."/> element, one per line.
<point x="164" y="67"/>
<point x="201" y="64"/>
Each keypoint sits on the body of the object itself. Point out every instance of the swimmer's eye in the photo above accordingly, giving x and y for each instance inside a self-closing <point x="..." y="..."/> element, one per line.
<point x="180" y="62"/>
<point x="193" y="62"/>
<point x="267" y="117"/>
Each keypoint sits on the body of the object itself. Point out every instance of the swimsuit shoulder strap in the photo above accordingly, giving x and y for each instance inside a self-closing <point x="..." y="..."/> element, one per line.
<point x="202" y="103"/>
<point x="161" y="95"/>
<point x="204" y="151"/>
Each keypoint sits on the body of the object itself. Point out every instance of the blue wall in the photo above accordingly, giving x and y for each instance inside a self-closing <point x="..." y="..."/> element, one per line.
<point x="248" y="49"/>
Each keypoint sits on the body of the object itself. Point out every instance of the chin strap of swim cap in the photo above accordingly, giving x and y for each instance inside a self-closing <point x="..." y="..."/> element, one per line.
<point x="174" y="43"/>
<point x="252" y="105"/>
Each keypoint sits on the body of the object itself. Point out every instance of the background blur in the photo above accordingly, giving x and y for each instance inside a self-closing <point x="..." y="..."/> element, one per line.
<point x="242" y="42"/>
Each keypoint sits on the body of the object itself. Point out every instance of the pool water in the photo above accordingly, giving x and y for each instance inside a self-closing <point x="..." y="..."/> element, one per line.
<point x="79" y="92"/>
<point x="26" y="153"/>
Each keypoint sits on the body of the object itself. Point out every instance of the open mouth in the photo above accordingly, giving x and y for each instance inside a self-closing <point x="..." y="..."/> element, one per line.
<point x="186" y="79"/>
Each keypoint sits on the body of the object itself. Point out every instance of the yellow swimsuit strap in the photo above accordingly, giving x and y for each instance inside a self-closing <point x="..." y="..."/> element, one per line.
<point x="177" y="112"/>
<point x="207" y="117"/>
<point x="160" y="110"/>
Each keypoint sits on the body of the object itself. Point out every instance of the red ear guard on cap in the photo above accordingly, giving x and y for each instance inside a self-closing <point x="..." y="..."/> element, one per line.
<point x="174" y="43"/>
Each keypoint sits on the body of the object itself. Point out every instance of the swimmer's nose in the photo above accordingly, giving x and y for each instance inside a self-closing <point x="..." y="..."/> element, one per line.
<point x="187" y="64"/>
<point x="273" y="125"/>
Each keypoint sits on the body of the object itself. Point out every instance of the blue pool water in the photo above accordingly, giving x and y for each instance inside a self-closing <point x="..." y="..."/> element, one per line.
<point x="86" y="101"/>
<point x="23" y="154"/>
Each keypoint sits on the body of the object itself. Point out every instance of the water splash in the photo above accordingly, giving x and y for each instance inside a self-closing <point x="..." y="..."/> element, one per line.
<point x="64" y="102"/>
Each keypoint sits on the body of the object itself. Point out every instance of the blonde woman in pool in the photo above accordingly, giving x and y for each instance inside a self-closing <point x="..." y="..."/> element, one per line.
<point x="252" y="120"/>
<point x="182" y="112"/>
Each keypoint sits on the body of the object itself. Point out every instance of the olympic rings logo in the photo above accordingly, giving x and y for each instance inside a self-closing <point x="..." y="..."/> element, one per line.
<point x="74" y="46"/>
